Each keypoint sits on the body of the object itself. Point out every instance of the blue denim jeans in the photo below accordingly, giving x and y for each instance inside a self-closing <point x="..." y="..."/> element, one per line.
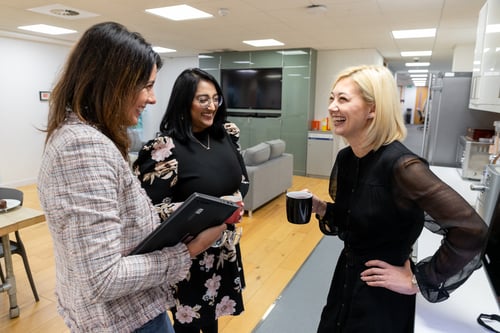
<point x="160" y="324"/>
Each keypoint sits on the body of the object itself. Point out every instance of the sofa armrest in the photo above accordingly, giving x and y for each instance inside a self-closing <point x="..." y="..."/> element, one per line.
<point x="268" y="180"/>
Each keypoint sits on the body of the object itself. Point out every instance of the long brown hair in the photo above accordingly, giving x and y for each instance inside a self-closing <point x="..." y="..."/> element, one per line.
<point x="102" y="77"/>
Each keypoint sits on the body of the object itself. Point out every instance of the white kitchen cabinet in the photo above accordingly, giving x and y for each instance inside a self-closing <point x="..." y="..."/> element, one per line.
<point x="319" y="153"/>
<point x="485" y="86"/>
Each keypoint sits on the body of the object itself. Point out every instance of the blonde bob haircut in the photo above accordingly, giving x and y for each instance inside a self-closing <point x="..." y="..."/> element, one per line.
<point x="378" y="88"/>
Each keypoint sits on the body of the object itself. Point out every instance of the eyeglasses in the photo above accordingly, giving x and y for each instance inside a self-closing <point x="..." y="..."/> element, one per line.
<point x="229" y="238"/>
<point x="205" y="101"/>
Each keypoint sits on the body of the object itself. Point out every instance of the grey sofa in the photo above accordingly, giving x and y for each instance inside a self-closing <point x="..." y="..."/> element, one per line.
<point x="270" y="172"/>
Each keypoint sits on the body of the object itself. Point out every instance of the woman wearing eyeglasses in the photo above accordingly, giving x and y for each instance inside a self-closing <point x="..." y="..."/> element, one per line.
<point x="198" y="151"/>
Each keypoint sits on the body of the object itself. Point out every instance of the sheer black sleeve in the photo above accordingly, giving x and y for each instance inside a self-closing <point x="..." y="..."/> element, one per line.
<point x="463" y="230"/>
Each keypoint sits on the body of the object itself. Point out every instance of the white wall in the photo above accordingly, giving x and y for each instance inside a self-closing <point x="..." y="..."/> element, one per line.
<point x="28" y="67"/>
<point x="463" y="58"/>
<point x="410" y="97"/>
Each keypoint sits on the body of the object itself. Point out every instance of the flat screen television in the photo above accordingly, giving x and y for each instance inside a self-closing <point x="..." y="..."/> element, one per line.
<point x="252" y="88"/>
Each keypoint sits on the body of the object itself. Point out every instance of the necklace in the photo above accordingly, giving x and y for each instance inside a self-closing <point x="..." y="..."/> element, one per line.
<point x="207" y="147"/>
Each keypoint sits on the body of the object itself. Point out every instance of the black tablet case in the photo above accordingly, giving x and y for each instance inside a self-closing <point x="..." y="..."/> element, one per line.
<point x="197" y="213"/>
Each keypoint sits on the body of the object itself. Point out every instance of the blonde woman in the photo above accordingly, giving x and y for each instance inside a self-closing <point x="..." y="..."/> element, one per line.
<point x="380" y="191"/>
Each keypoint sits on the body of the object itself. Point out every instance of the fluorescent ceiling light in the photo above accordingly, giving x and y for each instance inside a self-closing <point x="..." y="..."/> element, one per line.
<point x="263" y="42"/>
<point x="418" y="75"/>
<point x="414" y="33"/>
<point x="416" y="53"/>
<point x="292" y="52"/>
<point x="417" y="64"/>
<point x="179" y="13"/>
<point x="449" y="74"/>
<point x="492" y="28"/>
<point x="418" y="71"/>
<point x="159" y="49"/>
<point x="419" y="84"/>
<point x="47" y="29"/>
<point x="204" y="56"/>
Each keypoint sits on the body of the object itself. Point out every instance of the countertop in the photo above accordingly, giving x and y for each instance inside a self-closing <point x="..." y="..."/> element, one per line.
<point x="457" y="314"/>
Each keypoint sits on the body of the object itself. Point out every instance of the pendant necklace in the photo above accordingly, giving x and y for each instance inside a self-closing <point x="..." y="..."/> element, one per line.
<point x="207" y="147"/>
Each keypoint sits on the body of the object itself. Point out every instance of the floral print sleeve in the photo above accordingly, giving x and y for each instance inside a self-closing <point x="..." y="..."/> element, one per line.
<point x="156" y="168"/>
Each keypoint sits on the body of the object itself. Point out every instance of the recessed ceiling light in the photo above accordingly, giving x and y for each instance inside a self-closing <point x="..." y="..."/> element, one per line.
<point x="418" y="75"/>
<point x="418" y="71"/>
<point x="416" y="53"/>
<point x="414" y="33"/>
<point x="179" y="13"/>
<point x="47" y="29"/>
<point x="263" y="42"/>
<point x="417" y="64"/>
<point x="159" y="49"/>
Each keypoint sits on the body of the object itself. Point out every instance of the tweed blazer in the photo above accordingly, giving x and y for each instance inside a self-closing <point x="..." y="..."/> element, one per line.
<point x="97" y="213"/>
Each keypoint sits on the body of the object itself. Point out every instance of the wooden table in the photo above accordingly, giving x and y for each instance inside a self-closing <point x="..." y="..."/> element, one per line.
<point x="11" y="221"/>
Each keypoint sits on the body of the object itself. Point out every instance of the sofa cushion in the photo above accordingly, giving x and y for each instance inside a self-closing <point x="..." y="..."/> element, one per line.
<point x="257" y="154"/>
<point x="277" y="148"/>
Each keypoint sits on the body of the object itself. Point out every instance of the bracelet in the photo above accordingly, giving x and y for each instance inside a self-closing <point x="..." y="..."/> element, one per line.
<point x="414" y="282"/>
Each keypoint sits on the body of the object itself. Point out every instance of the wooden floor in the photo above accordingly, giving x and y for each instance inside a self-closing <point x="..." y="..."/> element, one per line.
<point x="272" y="249"/>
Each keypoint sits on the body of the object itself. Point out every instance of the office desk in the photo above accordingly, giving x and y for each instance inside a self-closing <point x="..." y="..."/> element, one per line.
<point x="10" y="221"/>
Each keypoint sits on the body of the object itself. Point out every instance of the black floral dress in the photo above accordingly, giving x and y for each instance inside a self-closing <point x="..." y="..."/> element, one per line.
<point x="170" y="171"/>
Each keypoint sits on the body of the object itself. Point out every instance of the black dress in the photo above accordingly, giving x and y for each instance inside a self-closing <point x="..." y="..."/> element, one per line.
<point x="169" y="172"/>
<point x="378" y="211"/>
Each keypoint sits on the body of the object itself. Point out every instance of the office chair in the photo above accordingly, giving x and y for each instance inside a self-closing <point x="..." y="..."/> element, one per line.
<point x="17" y="246"/>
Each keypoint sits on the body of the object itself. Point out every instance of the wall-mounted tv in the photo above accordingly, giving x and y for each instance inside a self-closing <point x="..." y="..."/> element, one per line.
<point x="252" y="88"/>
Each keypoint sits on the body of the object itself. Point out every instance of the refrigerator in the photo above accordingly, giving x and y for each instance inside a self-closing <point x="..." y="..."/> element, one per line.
<point x="447" y="117"/>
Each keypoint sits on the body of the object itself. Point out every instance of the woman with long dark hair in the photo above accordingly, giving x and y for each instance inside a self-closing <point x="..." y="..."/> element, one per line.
<point x="96" y="211"/>
<point x="198" y="151"/>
